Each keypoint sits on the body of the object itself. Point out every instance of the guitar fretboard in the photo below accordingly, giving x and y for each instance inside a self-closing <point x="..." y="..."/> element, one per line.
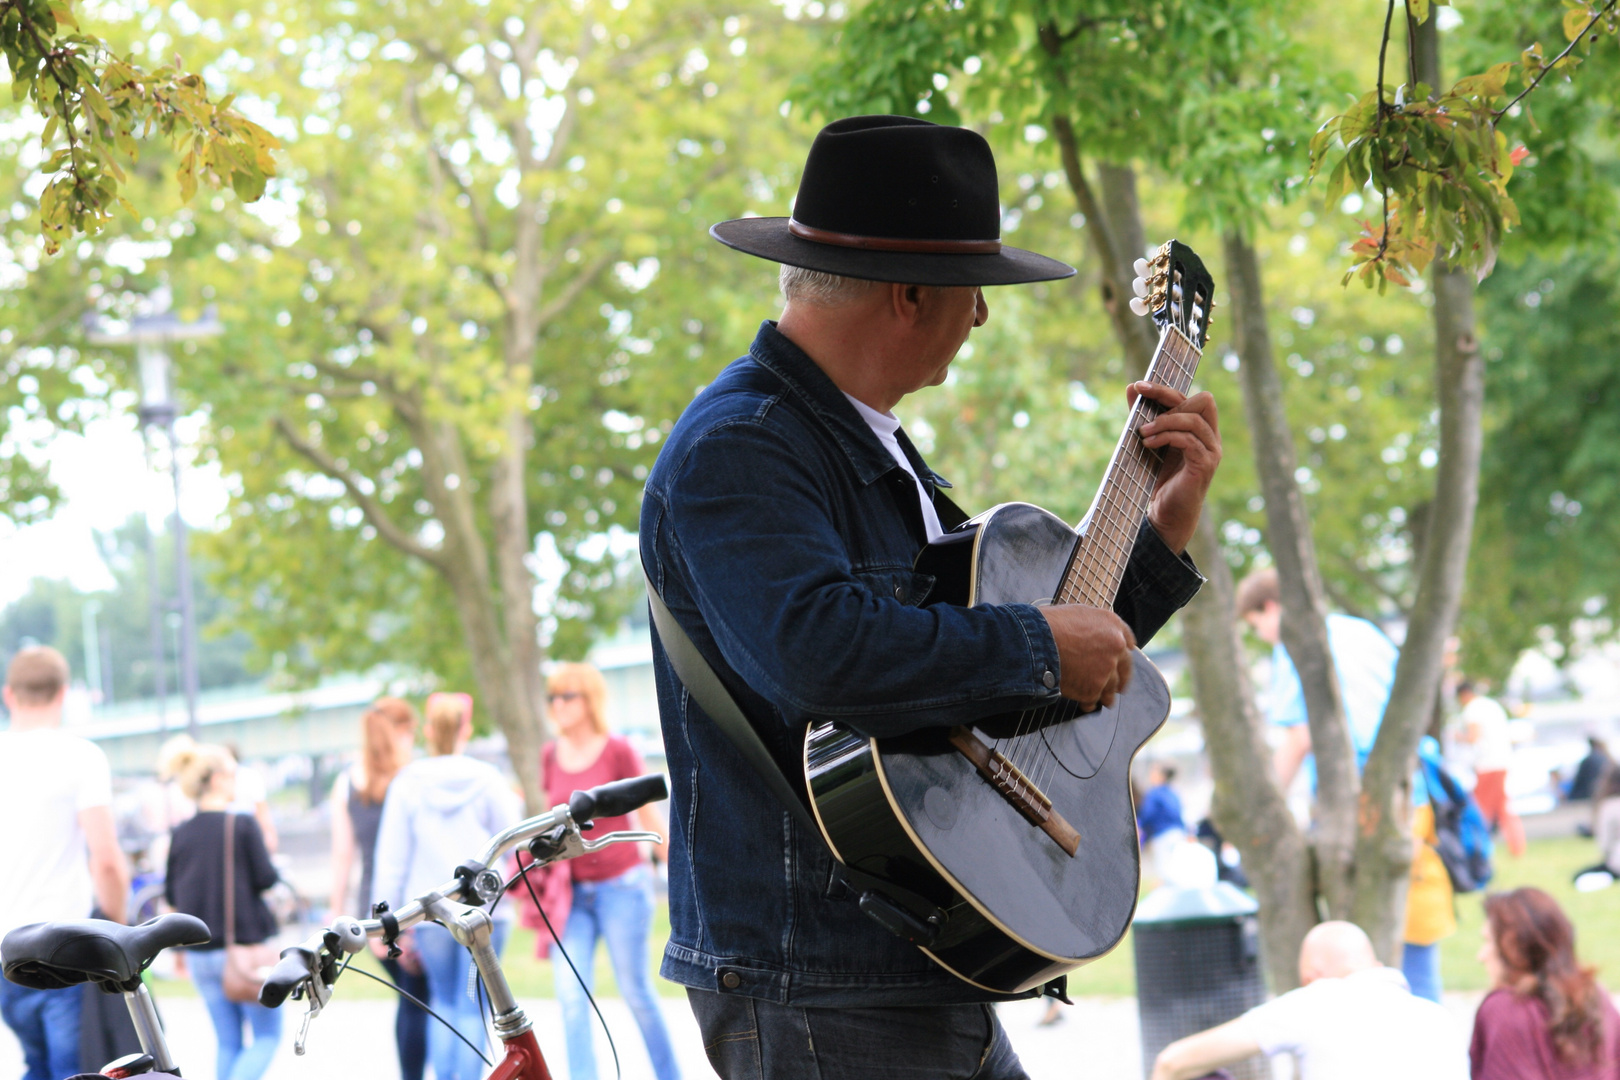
<point x="1109" y="531"/>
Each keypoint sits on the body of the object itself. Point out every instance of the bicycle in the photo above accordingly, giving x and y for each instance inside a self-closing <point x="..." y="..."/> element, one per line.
<point x="60" y="954"/>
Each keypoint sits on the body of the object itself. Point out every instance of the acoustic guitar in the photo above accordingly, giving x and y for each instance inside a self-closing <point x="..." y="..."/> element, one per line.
<point x="1007" y="850"/>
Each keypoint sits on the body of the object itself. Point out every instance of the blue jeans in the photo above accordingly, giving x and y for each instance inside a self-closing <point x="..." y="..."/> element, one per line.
<point x="46" y="1022"/>
<point x="410" y="1022"/>
<point x="446" y="965"/>
<point x="1421" y="966"/>
<point x="618" y="911"/>
<point x="750" y="1039"/>
<point x="236" y="1062"/>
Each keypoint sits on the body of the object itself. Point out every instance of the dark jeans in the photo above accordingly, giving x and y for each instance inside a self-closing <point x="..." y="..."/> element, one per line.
<point x="410" y="1022"/>
<point x="46" y="1023"/>
<point x="750" y="1039"/>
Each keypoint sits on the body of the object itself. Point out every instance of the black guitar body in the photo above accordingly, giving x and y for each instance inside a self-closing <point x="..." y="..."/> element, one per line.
<point x="995" y="900"/>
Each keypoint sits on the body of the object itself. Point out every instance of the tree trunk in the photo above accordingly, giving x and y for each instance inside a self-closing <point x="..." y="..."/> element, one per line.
<point x="1249" y="809"/>
<point x="1134" y="333"/>
<point x="1304" y="605"/>
<point x="1384" y="844"/>
<point x="509" y="514"/>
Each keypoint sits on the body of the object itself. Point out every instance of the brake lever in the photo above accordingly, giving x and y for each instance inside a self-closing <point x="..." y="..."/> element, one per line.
<point x="618" y="838"/>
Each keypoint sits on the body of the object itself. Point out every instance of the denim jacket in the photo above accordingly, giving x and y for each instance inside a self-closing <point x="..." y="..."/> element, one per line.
<point x="781" y="535"/>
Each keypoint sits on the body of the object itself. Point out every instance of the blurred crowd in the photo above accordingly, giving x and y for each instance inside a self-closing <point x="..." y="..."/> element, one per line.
<point x="411" y="808"/>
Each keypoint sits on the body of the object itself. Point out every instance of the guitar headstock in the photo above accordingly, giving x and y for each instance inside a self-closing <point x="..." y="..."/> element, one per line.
<point x="1175" y="289"/>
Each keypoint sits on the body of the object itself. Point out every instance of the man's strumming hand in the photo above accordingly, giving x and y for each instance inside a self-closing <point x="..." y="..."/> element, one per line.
<point x="1094" y="652"/>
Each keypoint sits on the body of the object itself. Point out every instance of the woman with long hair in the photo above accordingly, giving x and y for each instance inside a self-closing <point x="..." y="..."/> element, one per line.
<point x="387" y="738"/>
<point x="612" y="889"/>
<point x="1546" y="1017"/>
<point x="196" y="884"/>
<point x="440" y="811"/>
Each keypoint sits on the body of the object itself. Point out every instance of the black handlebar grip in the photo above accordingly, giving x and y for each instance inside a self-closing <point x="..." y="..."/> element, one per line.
<point x="619" y="797"/>
<point x="284" y="978"/>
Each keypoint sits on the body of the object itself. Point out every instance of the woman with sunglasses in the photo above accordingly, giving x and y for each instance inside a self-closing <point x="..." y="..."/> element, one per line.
<point x="612" y="890"/>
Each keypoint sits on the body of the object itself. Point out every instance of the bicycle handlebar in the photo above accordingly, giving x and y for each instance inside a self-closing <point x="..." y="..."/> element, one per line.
<point x="293" y="968"/>
<point x="617" y="798"/>
<point x="302" y="962"/>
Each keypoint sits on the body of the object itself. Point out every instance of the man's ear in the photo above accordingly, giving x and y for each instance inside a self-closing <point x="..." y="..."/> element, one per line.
<point x="908" y="302"/>
<point x="9" y="698"/>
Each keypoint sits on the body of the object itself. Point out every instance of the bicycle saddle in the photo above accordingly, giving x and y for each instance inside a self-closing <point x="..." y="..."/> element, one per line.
<point x="49" y="956"/>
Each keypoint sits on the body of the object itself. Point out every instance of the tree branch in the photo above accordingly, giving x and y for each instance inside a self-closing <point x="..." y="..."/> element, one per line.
<point x="373" y="510"/>
<point x="1542" y="74"/>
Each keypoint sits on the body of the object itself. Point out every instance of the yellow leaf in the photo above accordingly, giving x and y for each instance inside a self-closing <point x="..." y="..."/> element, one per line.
<point x="188" y="176"/>
<point x="1575" y="20"/>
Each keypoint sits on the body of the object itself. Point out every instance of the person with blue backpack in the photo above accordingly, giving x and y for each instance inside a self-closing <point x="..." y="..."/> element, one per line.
<point x="1450" y="854"/>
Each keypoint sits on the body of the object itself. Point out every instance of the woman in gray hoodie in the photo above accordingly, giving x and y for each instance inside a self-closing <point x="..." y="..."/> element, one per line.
<point x="439" y="812"/>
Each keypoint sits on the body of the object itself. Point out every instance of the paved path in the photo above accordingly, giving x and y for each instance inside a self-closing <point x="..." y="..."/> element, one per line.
<point x="354" y="1040"/>
<point x="1097" y="1038"/>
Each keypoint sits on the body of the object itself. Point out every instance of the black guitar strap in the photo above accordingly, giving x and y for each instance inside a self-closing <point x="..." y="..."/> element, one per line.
<point x="896" y="909"/>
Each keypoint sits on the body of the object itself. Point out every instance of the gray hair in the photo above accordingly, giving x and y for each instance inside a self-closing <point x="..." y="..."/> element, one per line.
<point x="802" y="286"/>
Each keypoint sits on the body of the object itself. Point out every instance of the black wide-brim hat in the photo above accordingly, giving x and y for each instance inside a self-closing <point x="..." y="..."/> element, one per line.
<point x="894" y="198"/>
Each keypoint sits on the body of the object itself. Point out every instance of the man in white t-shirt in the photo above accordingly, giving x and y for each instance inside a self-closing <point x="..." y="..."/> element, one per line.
<point x="1352" y="1018"/>
<point x="1485" y="731"/>
<point x="59" y="854"/>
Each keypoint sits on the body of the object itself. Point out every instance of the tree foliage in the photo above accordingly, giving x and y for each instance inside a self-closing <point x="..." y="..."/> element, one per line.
<point x="1440" y="160"/>
<point x="97" y="105"/>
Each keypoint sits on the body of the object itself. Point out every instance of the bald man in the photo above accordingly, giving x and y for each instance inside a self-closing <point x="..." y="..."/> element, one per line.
<point x="1351" y="1017"/>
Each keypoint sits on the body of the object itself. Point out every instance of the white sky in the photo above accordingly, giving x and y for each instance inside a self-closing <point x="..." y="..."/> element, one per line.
<point x="104" y="479"/>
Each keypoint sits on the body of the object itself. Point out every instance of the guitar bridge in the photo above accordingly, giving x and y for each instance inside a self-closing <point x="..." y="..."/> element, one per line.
<point x="1029" y="800"/>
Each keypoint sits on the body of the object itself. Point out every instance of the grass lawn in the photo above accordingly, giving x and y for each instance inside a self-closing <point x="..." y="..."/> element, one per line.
<point x="1548" y="864"/>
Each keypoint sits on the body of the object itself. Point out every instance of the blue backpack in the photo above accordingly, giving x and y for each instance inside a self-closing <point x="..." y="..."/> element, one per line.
<point x="1463" y="839"/>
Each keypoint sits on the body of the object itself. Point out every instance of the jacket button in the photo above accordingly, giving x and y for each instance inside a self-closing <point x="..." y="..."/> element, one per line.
<point x="731" y="980"/>
<point x="1050" y="680"/>
<point x="900" y="592"/>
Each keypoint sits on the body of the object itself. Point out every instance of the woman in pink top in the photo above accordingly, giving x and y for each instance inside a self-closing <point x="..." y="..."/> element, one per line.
<point x="1546" y="1017"/>
<point x="612" y="889"/>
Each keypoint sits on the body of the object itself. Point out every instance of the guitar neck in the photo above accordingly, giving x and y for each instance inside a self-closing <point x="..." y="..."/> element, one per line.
<point x="1108" y="532"/>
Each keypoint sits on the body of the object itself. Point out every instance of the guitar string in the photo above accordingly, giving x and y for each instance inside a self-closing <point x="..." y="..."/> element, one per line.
<point x="1113" y="538"/>
<point x="1127" y="466"/>
<point x="1131" y="478"/>
<point x="1132" y="465"/>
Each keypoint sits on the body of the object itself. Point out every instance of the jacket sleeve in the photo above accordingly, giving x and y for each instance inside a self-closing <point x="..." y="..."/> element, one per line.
<point x="394" y="846"/>
<point x="1157" y="584"/>
<point x="759" y="549"/>
<point x="250" y="841"/>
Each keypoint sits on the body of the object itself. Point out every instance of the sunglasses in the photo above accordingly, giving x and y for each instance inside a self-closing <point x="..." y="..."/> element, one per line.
<point x="564" y="695"/>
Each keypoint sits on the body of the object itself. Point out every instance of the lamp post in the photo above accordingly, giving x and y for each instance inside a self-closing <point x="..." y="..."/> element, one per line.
<point x="151" y="331"/>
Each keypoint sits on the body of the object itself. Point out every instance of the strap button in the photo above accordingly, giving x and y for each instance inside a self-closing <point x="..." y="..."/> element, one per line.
<point x="731" y="980"/>
<point x="1050" y="680"/>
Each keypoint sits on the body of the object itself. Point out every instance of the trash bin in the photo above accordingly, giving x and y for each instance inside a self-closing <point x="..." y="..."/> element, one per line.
<point x="1197" y="965"/>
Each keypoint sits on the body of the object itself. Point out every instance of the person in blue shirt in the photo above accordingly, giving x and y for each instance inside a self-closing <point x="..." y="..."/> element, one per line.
<point x="1363" y="656"/>
<point x="1159" y="816"/>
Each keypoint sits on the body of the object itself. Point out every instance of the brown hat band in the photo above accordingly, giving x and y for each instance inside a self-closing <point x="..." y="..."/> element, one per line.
<point x="884" y="243"/>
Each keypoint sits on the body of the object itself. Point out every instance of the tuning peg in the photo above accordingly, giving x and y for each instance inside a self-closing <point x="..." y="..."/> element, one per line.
<point x="1141" y="267"/>
<point x="1175" y="292"/>
<point x="1138" y="306"/>
<point x="1139" y="287"/>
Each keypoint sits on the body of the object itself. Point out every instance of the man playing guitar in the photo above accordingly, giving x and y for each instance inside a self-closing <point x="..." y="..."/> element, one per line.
<point x="780" y="525"/>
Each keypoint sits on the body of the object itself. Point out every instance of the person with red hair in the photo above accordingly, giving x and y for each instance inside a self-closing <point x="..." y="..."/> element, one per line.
<point x="1546" y="1017"/>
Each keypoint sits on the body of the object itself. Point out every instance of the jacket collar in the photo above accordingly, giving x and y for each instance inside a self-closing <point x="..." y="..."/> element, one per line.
<point x="773" y="350"/>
